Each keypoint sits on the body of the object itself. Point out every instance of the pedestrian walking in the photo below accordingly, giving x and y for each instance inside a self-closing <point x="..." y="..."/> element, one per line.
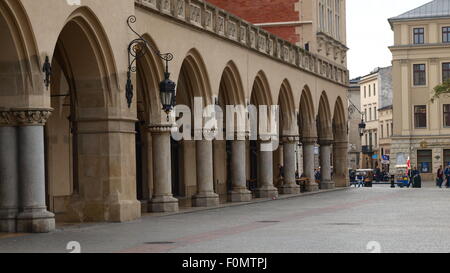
<point x="440" y="177"/>
<point x="447" y="175"/>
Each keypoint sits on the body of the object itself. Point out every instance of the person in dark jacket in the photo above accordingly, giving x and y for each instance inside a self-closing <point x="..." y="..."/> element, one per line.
<point x="447" y="176"/>
<point x="440" y="177"/>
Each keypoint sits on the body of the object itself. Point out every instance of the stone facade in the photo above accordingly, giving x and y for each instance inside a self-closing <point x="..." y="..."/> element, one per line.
<point x="420" y="130"/>
<point x="85" y="154"/>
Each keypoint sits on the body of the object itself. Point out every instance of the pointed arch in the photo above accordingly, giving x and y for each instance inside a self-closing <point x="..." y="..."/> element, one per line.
<point x="150" y="71"/>
<point x="306" y="117"/>
<point x="339" y="121"/>
<point x="85" y="51"/>
<point x="193" y="80"/>
<point x="324" y="128"/>
<point x="231" y="90"/>
<point x="261" y="94"/>
<point x="19" y="55"/>
<point x="287" y="106"/>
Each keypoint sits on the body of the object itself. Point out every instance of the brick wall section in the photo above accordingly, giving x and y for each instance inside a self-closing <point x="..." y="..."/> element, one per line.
<point x="265" y="11"/>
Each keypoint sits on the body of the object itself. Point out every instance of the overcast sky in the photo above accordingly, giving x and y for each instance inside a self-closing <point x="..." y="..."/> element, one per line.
<point x="369" y="33"/>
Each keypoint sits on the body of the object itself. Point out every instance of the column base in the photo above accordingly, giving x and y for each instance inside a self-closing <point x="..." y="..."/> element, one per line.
<point x="290" y="189"/>
<point x="206" y="200"/>
<point x="241" y="195"/>
<point x="164" y="204"/>
<point x="327" y="185"/>
<point x="36" y="221"/>
<point x="312" y="187"/>
<point x="8" y="220"/>
<point x="267" y="192"/>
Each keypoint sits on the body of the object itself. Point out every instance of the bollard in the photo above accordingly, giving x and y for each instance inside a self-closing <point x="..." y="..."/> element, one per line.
<point x="393" y="181"/>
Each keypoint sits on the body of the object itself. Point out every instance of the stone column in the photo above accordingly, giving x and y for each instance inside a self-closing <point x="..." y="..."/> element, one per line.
<point x="9" y="182"/>
<point x="289" y="184"/>
<point x="162" y="200"/>
<point x="340" y="154"/>
<point x="308" y="163"/>
<point x="33" y="216"/>
<point x="326" y="182"/>
<point x="266" y="188"/>
<point x="239" y="193"/>
<point x="205" y="197"/>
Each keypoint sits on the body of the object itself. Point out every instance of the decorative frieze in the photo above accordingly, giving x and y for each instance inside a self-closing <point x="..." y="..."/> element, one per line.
<point x="195" y="15"/>
<point x="211" y="18"/>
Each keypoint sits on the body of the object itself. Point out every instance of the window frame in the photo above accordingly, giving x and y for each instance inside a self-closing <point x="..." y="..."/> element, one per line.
<point x="444" y="115"/>
<point x="445" y="34"/>
<point x="446" y="70"/>
<point x="417" y="83"/>
<point x="420" y="35"/>
<point x="416" y="114"/>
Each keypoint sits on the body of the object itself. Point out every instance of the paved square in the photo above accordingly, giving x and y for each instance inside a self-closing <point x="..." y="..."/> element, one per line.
<point x="399" y="220"/>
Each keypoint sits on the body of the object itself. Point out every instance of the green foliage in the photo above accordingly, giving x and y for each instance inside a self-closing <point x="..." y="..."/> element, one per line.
<point x="441" y="90"/>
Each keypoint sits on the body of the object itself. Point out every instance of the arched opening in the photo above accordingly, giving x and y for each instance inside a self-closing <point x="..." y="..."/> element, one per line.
<point x="231" y="94"/>
<point x="74" y="152"/>
<point x="340" y="144"/>
<point x="325" y="134"/>
<point x="308" y="135"/>
<point x="193" y="82"/>
<point x="149" y="72"/>
<point x="260" y="96"/>
<point x="288" y="130"/>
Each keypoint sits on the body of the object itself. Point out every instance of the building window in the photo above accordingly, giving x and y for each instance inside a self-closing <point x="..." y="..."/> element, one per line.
<point x="375" y="113"/>
<point x="446" y="34"/>
<point x="370" y="114"/>
<point x="420" y="116"/>
<point x="382" y="131"/>
<point x="420" y="75"/>
<point x="370" y="90"/>
<point x="365" y="92"/>
<point x="374" y="90"/>
<point x="445" y="72"/>
<point x="387" y="128"/>
<point x="419" y="36"/>
<point x="447" y="157"/>
<point x="425" y="161"/>
<point x="376" y="140"/>
<point x="392" y="129"/>
<point x="446" y="115"/>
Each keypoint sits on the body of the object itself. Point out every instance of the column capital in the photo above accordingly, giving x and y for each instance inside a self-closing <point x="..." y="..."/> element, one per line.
<point x="290" y="139"/>
<point x="6" y="118"/>
<point x="341" y="144"/>
<point x="160" y="128"/>
<point x="28" y="116"/>
<point x="309" y="140"/>
<point x="326" y="142"/>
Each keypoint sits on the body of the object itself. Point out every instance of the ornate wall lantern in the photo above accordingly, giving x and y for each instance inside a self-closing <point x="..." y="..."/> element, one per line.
<point x="138" y="48"/>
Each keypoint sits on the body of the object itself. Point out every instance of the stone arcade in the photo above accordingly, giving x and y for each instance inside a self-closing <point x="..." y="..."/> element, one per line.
<point x="75" y="152"/>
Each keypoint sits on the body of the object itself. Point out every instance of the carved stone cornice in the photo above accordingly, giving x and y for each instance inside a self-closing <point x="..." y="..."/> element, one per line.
<point x="25" y="116"/>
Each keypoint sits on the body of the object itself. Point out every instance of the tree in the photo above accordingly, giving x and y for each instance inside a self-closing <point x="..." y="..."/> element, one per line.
<point x="441" y="90"/>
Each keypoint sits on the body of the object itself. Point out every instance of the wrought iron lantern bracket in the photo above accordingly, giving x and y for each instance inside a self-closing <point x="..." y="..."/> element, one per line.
<point x="137" y="49"/>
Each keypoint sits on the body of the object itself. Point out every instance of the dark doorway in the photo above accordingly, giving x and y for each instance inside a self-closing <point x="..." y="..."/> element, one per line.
<point x="175" y="150"/>
<point x="139" y="167"/>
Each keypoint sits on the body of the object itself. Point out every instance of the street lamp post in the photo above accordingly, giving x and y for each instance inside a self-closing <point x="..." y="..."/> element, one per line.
<point x="138" y="48"/>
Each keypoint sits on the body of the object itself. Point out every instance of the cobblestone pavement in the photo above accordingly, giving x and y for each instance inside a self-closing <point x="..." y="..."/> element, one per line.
<point x="350" y="220"/>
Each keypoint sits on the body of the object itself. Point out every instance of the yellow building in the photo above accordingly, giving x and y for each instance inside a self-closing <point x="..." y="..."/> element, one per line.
<point x="421" y="60"/>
